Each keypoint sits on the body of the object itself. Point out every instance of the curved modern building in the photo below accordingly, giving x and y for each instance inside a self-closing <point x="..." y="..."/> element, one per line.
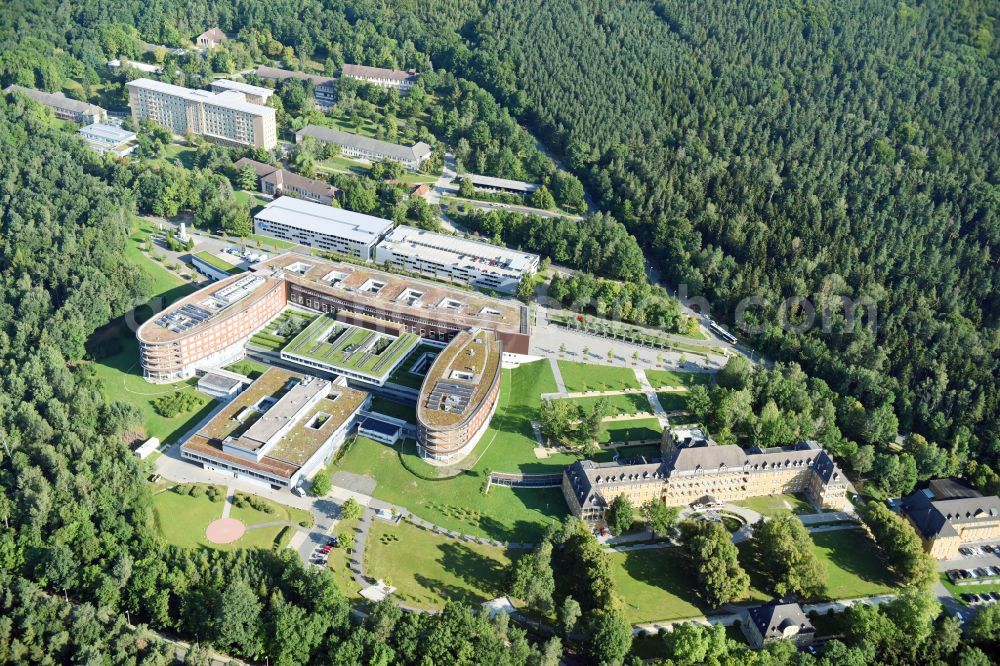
<point x="208" y="328"/>
<point x="459" y="396"/>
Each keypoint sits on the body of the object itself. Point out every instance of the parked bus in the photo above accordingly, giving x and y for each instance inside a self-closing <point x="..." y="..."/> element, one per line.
<point x="721" y="332"/>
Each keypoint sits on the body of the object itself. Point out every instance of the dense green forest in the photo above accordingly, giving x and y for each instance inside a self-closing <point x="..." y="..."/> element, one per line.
<point x="782" y="149"/>
<point x="773" y="148"/>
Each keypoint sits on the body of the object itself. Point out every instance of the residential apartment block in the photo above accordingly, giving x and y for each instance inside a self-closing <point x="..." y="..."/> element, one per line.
<point x="253" y="94"/>
<point x="63" y="107"/>
<point x="276" y="182"/>
<point x="950" y="513"/>
<point x="226" y="117"/>
<point x="324" y="87"/>
<point x="385" y="78"/>
<point x="454" y="258"/>
<point x="334" y="229"/>
<point x="693" y="466"/>
<point x="365" y="148"/>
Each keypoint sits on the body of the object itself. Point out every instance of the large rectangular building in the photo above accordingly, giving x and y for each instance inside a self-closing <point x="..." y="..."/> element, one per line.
<point x="693" y="466"/>
<point x="366" y="148"/>
<point x="454" y="258"/>
<point x="226" y="117"/>
<point x="279" y="430"/>
<point x="253" y="94"/>
<point x="431" y="310"/>
<point x="379" y="76"/>
<point x="950" y="513"/>
<point x="313" y="224"/>
<point x="63" y="107"/>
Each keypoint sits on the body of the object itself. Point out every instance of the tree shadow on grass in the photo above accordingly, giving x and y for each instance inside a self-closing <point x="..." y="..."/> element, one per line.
<point x="855" y="553"/>
<point x="477" y="570"/>
<point x="442" y="589"/>
<point x="667" y="570"/>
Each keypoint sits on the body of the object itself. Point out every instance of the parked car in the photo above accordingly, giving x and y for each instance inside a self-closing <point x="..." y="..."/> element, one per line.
<point x="965" y="551"/>
<point x="981" y="572"/>
<point x="970" y="598"/>
<point x="963" y="573"/>
<point x="995" y="595"/>
<point x="985" y="598"/>
<point x="995" y="571"/>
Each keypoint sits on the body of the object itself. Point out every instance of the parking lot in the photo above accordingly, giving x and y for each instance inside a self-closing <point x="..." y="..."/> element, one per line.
<point x="977" y="566"/>
<point x="321" y="552"/>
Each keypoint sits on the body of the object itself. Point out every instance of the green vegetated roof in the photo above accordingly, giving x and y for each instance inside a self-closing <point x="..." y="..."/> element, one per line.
<point x="216" y="262"/>
<point x="342" y="345"/>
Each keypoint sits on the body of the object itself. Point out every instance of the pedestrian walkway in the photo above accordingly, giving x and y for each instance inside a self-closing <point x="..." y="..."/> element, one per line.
<point x="557" y="374"/>
<point x="654" y="400"/>
<point x="227" y="507"/>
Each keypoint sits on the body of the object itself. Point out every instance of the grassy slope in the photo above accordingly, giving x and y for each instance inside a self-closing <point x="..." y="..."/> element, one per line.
<point x="120" y="374"/>
<point x="428" y="569"/>
<point x="657" y="585"/>
<point x="580" y="377"/>
<point x="458" y="503"/>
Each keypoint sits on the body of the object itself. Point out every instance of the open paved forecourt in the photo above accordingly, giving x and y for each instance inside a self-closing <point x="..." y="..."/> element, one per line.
<point x="547" y="339"/>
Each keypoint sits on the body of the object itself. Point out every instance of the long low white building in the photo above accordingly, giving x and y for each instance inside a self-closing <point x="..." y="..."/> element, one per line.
<point x="226" y="116"/>
<point x="325" y="227"/>
<point x="109" y="139"/>
<point x="366" y="148"/>
<point x="454" y="258"/>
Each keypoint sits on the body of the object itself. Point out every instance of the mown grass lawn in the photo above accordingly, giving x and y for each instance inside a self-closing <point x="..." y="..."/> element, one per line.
<point x="632" y="430"/>
<point x="579" y="377"/>
<point x="458" y="503"/>
<point x="121" y="379"/>
<point x="428" y="569"/>
<point x="339" y="559"/>
<point x="672" y="401"/>
<point x="117" y="351"/>
<point x="661" y="378"/>
<point x="182" y="520"/>
<point x="251" y="516"/>
<point x="622" y="403"/>
<point x="266" y="242"/>
<point x="772" y="504"/>
<point x="656" y="584"/>
<point x="853" y="565"/>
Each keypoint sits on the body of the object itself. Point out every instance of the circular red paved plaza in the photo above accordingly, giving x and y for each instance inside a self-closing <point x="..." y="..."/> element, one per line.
<point x="224" y="530"/>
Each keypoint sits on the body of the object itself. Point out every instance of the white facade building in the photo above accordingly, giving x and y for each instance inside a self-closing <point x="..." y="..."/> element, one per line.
<point x="109" y="139"/>
<point x="453" y="258"/>
<point x="379" y="76"/>
<point x="226" y="117"/>
<point x="254" y="94"/>
<point x="313" y="224"/>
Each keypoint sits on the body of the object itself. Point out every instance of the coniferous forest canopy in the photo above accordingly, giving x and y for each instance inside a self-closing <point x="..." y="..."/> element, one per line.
<point x="774" y="148"/>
